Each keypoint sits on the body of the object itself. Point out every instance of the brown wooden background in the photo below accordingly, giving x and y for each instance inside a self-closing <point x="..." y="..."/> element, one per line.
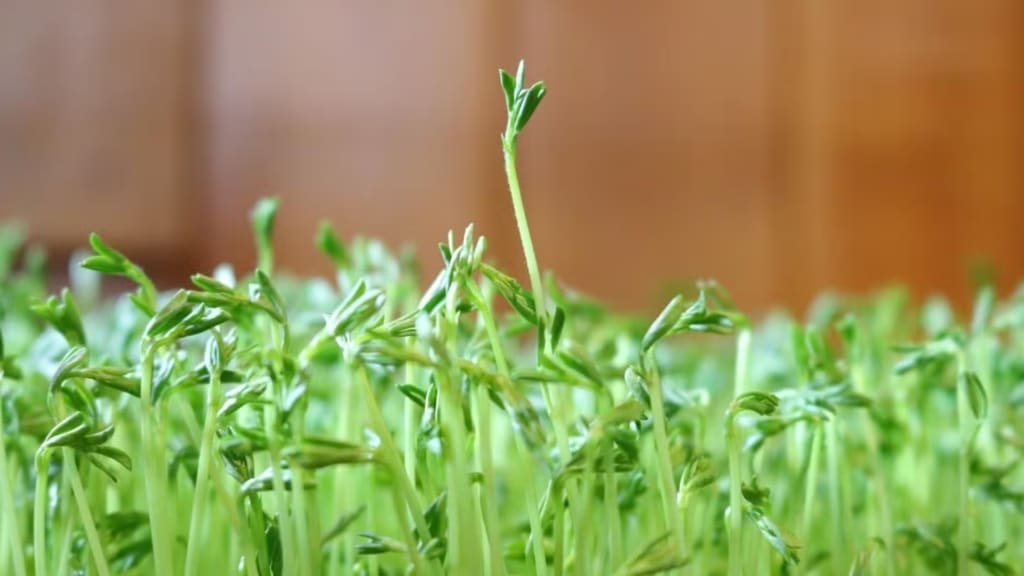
<point x="780" y="147"/>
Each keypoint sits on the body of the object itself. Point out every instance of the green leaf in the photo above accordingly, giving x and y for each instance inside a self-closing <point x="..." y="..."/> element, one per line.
<point x="63" y="315"/>
<point x="209" y="284"/>
<point x="110" y="261"/>
<point x="115" y="454"/>
<point x="986" y="558"/>
<point x="663" y="323"/>
<point x="530" y="103"/>
<point x="508" y="86"/>
<point x="519" y="298"/>
<point x="758" y="402"/>
<point x="976" y="395"/>
<point x="212" y="355"/>
<point x="263" y="216"/>
<point x="170" y="316"/>
<point x="414" y="393"/>
<point x="328" y="241"/>
<point x="68" y="431"/>
<point x="661" y="554"/>
<point x="983" y="305"/>
<point x="638" y="387"/>
<point x="73" y="359"/>
<point x="698" y="473"/>
<point x="343" y="523"/>
<point x="784" y="543"/>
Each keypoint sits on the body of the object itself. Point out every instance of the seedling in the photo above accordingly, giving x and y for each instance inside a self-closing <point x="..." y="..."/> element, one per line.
<point x="267" y="425"/>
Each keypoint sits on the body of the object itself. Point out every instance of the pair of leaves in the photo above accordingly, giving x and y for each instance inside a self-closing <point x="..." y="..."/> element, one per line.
<point x="75" y="432"/>
<point x="106" y="260"/>
<point x="63" y="314"/>
<point x="677" y="317"/>
<point x="520" y="101"/>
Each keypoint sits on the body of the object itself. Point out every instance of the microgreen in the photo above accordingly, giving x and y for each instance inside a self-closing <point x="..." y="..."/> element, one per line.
<point x="267" y="425"/>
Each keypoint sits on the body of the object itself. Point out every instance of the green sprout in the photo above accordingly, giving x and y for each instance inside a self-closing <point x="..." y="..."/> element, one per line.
<point x="265" y="424"/>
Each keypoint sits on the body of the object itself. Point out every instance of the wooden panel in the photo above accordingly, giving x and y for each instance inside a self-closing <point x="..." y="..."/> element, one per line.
<point x="781" y="148"/>
<point x="366" y="114"/>
<point x="92" y="126"/>
<point x="900" y="158"/>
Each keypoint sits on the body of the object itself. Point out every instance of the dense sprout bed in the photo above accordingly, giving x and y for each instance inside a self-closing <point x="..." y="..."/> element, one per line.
<point x="266" y="425"/>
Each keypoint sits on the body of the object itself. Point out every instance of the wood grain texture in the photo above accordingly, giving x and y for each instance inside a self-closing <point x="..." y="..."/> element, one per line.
<point x="782" y="148"/>
<point x="93" y="130"/>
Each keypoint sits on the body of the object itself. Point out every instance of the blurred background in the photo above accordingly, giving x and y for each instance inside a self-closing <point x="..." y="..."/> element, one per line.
<point x="780" y="147"/>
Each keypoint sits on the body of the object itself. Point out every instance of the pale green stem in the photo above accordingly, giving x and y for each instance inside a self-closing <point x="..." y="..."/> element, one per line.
<point x="11" y="517"/>
<point x="488" y="494"/>
<point x="393" y="461"/>
<point x="735" y="499"/>
<point x="157" y="498"/>
<point x="523" y="453"/>
<point x="964" y="524"/>
<point x="837" y="510"/>
<point x="344" y="546"/>
<point x="200" y="498"/>
<point x="39" y="515"/>
<point x="91" y="534"/>
<point x="536" y="283"/>
<point x="811" y="484"/>
<point x="666" y="483"/>
<point x="612" y="517"/>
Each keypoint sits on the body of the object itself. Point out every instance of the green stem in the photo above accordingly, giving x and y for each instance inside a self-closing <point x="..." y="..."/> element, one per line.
<point x="200" y="499"/>
<point x="464" y="544"/>
<point x="666" y="483"/>
<point x="39" y="515"/>
<point x="488" y="493"/>
<point x="612" y="516"/>
<point x="558" y="533"/>
<point x="11" y="516"/>
<point x="344" y="546"/>
<point x="878" y="475"/>
<point x="91" y="534"/>
<point x="284" y="523"/>
<point x="735" y="466"/>
<point x="742" y="374"/>
<point x="525" y="237"/>
<point x="811" y="484"/>
<point x="393" y="461"/>
<point x="964" y="526"/>
<point x="64" y="552"/>
<point x="735" y="499"/>
<point x="410" y="426"/>
<point x="834" y="457"/>
<point x="156" y="497"/>
<point x="231" y="508"/>
<point x="522" y="451"/>
<point x="258" y="529"/>
<point x="540" y="304"/>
